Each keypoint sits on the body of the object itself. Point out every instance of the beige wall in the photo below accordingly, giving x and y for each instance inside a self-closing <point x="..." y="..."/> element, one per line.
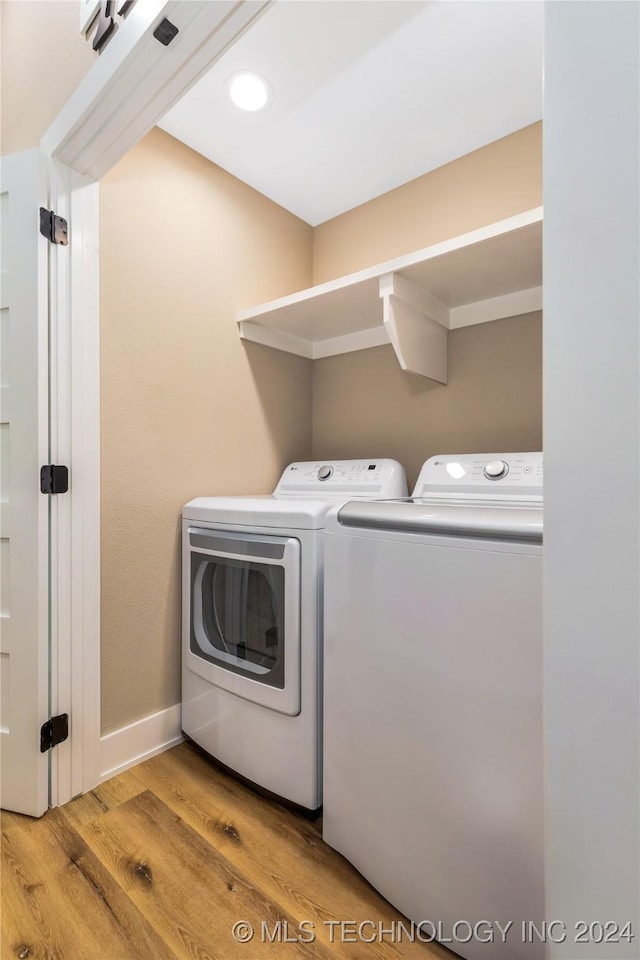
<point x="44" y="57"/>
<point x="188" y="409"/>
<point x="489" y="184"/>
<point x="363" y="405"/>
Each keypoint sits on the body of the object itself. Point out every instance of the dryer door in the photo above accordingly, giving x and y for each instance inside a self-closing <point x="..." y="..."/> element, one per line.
<point x="244" y="618"/>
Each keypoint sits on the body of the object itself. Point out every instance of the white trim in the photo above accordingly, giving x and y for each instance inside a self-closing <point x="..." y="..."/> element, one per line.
<point x="312" y="349"/>
<point x="139" y="741"/>
<point x="88" y="13"/>
<point x="75" y="517"/>
<point x="496" y="308"/>
<point x="60" y="307"/>
<point x="136" y="79"/>
<point x="87" y="369"/>
<point x="278" y="339"/>
<point x="350" y="342"/>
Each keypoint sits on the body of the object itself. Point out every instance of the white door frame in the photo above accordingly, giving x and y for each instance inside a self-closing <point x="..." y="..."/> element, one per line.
<point x="75" y="518"/>
<point x="137" y="79"/>
<point x="130" y="87"/>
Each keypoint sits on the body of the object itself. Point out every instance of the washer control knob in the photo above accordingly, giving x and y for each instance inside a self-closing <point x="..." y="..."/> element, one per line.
<point x="324" y="473"/>
<point x="496" y="469"/>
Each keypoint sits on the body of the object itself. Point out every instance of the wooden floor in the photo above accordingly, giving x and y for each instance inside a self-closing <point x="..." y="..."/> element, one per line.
<point x="163" y="860"/>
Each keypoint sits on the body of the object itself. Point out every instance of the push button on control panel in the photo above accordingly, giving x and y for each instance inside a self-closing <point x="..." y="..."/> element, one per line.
<point x="496" y="469"/>
<point x="324" y="473"/>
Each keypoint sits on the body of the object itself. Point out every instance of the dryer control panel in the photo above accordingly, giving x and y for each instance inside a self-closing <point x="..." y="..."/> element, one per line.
<point x="499" y="476"/>
<point x="351" y="478"/>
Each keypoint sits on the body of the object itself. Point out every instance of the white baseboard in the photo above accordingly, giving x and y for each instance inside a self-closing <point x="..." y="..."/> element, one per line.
<point x="138" y="741"/>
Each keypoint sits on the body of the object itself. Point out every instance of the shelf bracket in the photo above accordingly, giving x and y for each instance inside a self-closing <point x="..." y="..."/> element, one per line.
<point x="417" y="325"/>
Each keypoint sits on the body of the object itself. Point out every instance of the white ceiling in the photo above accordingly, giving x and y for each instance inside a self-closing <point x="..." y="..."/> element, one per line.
<point x="368" y="94"/>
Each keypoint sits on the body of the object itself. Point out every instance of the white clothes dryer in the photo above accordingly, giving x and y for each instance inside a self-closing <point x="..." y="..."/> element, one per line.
<point x="252" y="622"/>
<point x="433" y="738"/>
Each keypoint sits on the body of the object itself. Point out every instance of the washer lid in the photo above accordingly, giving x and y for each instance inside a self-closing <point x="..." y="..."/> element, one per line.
<point x="423" y="516"/>
<point x="269" y="511"/>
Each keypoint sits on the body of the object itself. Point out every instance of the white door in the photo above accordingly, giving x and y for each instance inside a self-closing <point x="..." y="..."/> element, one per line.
<point x="24" y="517"/>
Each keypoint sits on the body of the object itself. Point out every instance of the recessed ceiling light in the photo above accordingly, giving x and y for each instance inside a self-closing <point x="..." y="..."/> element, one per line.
<point x="248" y="90"/>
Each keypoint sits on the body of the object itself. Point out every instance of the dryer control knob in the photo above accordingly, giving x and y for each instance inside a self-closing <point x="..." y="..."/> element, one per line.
<point x="324" y="473"/>
<point x="496" y="469"/>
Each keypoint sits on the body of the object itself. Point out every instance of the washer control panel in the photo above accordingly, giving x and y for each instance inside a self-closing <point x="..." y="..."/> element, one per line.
<point x="501" y="475"/>
<point x="367" y="478"/>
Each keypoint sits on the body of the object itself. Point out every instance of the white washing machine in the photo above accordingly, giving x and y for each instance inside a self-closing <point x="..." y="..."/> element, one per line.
<point x="252" y="621"/>
<point x="433" y="734"/>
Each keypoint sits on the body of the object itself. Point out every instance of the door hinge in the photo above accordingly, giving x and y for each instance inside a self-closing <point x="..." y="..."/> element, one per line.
<point x="54" y="478"/>
<point x="53" y="732"/>
<point x="165" y="32"/>
<point x="53" y="227"/>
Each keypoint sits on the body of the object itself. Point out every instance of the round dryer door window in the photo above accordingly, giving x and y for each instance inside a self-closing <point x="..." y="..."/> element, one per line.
<point x="238" y="619"/>
<point x="243" y="616"/>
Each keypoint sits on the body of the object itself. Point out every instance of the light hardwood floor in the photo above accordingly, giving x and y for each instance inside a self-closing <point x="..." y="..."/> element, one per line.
<point x="163" y="860"/>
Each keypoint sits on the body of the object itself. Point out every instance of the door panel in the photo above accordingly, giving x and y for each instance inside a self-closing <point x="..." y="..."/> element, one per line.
<point x="24" y="520"/>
